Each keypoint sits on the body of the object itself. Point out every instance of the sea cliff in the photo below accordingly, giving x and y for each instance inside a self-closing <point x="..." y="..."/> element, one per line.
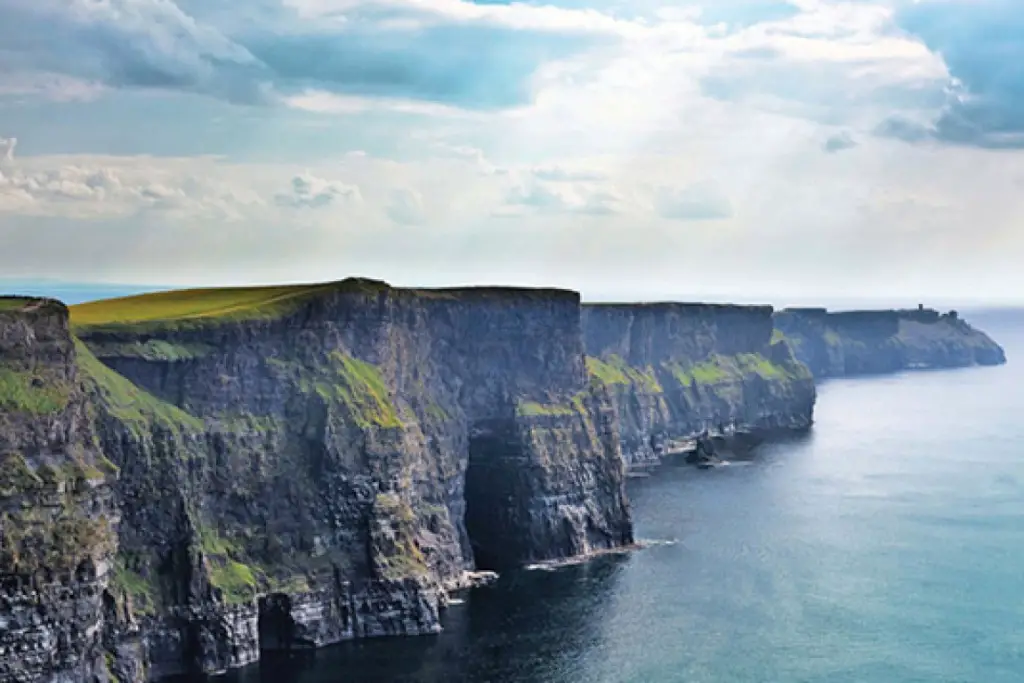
<point x="287" y="470"/>
<point x="872" y="342"/>
<point x="676" y="370"/>
<point x="190" y="479"/>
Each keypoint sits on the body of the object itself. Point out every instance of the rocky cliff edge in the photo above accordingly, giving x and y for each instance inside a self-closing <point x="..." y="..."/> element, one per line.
<point x="871" y="342"/>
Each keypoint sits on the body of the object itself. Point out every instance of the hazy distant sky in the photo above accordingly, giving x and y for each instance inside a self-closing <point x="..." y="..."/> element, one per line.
<point x="747" y="149"/>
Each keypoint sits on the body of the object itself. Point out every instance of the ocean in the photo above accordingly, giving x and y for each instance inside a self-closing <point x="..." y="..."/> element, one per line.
<point x="885" y="546"/>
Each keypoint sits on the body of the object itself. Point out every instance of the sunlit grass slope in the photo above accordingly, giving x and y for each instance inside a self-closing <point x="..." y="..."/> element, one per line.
<point x="199" y="305"/>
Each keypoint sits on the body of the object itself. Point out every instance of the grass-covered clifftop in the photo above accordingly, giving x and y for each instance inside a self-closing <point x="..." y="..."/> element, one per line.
<point x="199" y="306"/>
<point x="868" y="342"/>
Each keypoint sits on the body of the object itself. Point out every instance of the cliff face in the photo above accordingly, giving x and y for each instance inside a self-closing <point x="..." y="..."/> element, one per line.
<point x="871" y="342"/>
<point x="319" y="467"/>
<point x="57" y="517"/>
<point x="193" y="478"/>
<point x="674" y="370"/>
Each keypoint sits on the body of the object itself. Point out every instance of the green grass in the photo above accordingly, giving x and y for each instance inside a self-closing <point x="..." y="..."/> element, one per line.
<point x="757" y="364"/>
<point x="710" y="371"/>
<point x="721" y="369"/>
<point x="362" y="388"/>
<point x="613" y="370"/>
<point x="16" y="476"/>
<point x="27" y="392"/>
<point x="534" y="409"/>
<point x="204" y="306"/>
<point x="396" y="555"/>
<point x="778" y="336"/>
<point x="235" y="580"/>
<point x="14" y="303"/>
<point x="136" y="408"/>
<point x="153" y="350"/>
<point x="356" y="384"/>
<point x="140" y="590"/>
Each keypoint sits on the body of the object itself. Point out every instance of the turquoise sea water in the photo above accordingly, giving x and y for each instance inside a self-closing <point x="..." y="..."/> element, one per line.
<point x="887" y="546"/>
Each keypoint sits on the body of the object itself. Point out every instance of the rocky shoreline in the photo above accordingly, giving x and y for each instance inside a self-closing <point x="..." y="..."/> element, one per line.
<point x="188" y="480"/>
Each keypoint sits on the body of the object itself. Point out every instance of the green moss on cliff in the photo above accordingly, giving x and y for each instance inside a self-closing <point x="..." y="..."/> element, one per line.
<point x="34" y="393"/>
<point x="534" y="409"/>
<point x="613" y="370"/>
<point x="153" y="350"/>
<point x="722" y="369"/>
<point x="355" y="384"/>
<point x="235" y="580"/>
<point x="396" y="554"/>
<point x="137" y="409"/>
<point x="143" y="593"/>
<point x="16" y="477"/>
<point x="55" y="539"/>
<point x="362" y="388"/>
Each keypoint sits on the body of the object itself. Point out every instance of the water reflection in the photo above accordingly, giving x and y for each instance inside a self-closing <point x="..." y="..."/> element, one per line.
<point x="531" y="626"/>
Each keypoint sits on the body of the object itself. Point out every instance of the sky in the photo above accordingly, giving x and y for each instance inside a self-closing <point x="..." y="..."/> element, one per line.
<point x="751" y="150"/>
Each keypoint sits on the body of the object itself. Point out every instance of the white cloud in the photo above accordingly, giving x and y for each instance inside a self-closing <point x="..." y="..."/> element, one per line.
<point x="539" y="192"/>
<point x="322" y="102"/>
<point x="406" y="207"/>
<point x="516" y="15"/>
<point x="7" y="146"/>
<point x="698" y="202"/>
<point x="310" y="192"/>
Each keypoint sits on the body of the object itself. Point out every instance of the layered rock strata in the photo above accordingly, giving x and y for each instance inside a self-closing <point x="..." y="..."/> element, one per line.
<point x="321" y="466"/>
<point x="872" y="342"/>
<point x="189" y="479"/>
<point x="676" y="370"/>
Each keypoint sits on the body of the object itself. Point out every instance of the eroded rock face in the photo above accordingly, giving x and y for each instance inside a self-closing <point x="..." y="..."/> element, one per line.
<point x="675" y="370"/>
<point x="297" y="479"/>
<point x="57" y="515"/>
<point x="872" y="342"/>
<point x="178" y="497"/>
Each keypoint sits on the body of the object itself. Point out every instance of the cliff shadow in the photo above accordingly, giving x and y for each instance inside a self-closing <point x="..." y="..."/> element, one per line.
<point x="492" y="493"/>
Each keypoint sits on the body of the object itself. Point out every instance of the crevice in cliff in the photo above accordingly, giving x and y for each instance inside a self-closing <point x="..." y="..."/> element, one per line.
<point x="491" y="497"/>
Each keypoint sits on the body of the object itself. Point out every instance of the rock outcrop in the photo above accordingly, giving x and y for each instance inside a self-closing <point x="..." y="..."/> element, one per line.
<point x="872" y="342"/>
<point x="296" y="468"/>
<point x="676" y="370"/>
<point x="58" y="519"/>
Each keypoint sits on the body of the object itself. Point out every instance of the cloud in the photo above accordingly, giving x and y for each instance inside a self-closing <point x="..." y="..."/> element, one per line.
<point x="7" y="146"/>
<point x="406" y="207"/>
<point x="697" y="202"/>
<point x="309" y="192"/>
<point x="126" y="43"/>
<point x="448" y="52"/>
<point x="981" y="43"/>
<point x="561" y="174"/>
<point x="839" y="142"/>
<point x="547" y="192"/>
<point x="100" y="188"/>
<point x="905" y="129"/>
